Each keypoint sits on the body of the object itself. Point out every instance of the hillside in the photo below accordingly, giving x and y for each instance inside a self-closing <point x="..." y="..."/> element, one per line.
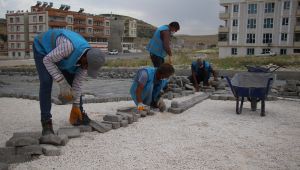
<point x="199" y="39"/>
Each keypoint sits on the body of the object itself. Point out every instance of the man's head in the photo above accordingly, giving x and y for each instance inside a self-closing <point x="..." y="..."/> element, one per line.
<point x="95" y="60"/>
<point x="174" y="27"/>
<point x="165" y="70"/>
<point x="200" y="62"/>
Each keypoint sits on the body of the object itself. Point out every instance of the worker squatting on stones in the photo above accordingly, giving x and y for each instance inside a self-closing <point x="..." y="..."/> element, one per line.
<point x="66" y="57"/>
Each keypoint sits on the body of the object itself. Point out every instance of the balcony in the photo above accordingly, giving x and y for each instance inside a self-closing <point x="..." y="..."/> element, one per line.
<point x="298" y="12"/>
<point x="297" y="43"/>
<point x="222" y="43"/>
<point x="224" y="15"/>
<point x="57" y="23"/>
<point x="223" y="29"/>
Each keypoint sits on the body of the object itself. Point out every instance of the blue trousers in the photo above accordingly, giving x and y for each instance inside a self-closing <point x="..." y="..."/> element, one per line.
<point x="46" y="82"/>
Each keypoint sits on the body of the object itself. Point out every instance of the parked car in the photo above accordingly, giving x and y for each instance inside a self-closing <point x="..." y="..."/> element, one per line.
<point x="113" y="52"/>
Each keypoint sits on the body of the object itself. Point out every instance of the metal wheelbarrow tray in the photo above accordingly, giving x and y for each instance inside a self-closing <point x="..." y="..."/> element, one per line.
<point x="253" y="85"/>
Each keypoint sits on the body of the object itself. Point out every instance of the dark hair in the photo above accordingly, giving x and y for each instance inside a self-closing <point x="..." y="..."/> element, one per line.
<point x="175" y="25"/>
<point x="166" y="69"/>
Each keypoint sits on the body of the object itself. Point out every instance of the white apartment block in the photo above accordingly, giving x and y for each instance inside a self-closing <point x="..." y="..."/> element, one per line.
<point x="16" y="34"/>
<point x="255" y="27"/>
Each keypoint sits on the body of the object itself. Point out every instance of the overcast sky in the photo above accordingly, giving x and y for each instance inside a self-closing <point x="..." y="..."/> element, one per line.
<point x="196" y="17"/>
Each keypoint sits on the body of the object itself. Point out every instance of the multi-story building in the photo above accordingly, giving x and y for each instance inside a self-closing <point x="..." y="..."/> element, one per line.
<point x="3" y="37"/>
<point x="255" y="27"/>
<point x="130" y="27"/>
<point x="95" y="29"/>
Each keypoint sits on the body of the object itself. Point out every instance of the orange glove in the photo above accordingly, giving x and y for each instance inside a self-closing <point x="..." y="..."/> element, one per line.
<point x="75" y="115"/>
<point x="140" y="107"/>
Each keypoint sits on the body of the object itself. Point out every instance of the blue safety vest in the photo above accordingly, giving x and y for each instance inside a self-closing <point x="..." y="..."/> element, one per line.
<point x="156" y="45"/>
<point x="45" y="42"/>
<point x="149" y="84"/>
<point x="207" y="67"/>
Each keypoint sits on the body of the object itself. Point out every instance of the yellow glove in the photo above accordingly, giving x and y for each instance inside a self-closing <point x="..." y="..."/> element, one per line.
<point x="140" y="107"/>
<point x="75" y="115"/>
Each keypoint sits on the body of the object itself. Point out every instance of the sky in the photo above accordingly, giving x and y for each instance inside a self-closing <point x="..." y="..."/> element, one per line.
<point x="196" y="17"/>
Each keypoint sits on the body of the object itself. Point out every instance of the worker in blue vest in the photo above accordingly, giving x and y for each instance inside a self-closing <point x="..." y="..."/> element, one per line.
<point x="67" y="58"/>
<point x="148" y="84"/>
<point x="159" y="45"/>
<point x="201" y="72"/>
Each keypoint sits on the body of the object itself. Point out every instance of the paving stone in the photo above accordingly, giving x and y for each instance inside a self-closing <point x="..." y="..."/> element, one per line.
<point x="126" y="109"/>
<point x="99" y="127"/>
<point x="50" y="150"/>
<point x="64" y="140"/>
<point x="214" y="97"/>
<point x="35" y="135"/>
<point x="108" y="126"/>
<point x="231" y="98"/>
<point x="85" y="128"/>
<point x="174" y="104"/>
<point x="290" y="93"/>
<point x="175" y="110"/>
<point x="124" y="123"/>
<point x="176" y="90"/>
<point x="223" y="97"/>
<point x="129" y="117"/>
<point x="170" y="95"/>
<point x="71" y="132"/>
<point x="112" y="118"/>
<point x="21" y="141"/>
<point x="151" y="113"/>
<point x="142" y="113"/>
<point x="3" y="166"/>
<point x="8" y="155"/>
<point x="50" y="139"/>
<point x="29" y="150"/>
<point x="208" y="90"/>
<point x="189" y="87"/>
<point x="115" y="125"/>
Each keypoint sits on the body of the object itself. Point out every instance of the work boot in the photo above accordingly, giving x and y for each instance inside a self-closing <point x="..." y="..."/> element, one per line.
<point x="47" y="127"/>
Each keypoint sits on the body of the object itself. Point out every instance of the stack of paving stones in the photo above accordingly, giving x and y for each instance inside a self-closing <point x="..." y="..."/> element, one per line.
<point x="178" y="108"/>
<point x="178" y="86"/>
<point x="290" y="89"/>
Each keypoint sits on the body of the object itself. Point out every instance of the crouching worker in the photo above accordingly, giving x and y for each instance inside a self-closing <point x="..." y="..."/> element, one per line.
<point x="65" y="57"/>
<point x="148" y="84"/>
<point x="201" y="72"/>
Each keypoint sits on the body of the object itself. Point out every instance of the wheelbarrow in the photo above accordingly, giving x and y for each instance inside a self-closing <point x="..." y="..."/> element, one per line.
<point x="254" y="84"/>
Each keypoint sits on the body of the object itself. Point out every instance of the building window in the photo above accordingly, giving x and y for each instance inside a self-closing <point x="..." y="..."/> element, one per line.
<point x="283" y="51"/>
<point x="90" y="30"/>
<point x="267" y="39"/>
<point x="283" y="36"/>
<point x="18" y="28"/>
<point x="18" y="45"/>
<point x="107" y="32"/>
<point x="12" y="37"/>
<point x="236" y="8"/>
<point x="233" y="51"/>
<point x="69" y="28"/>
<point x="296" y="50"/>
<point x="19" y="54"/>
<point x="40" y="28"/>
<point x="250" y="38"/>
<point x="250" y="51"/>
<point x="13" y="54"/>
<point x="90" y="22"/>
<point x="265" y="50"/>
<point x="12" y="45"/>
<point x="41" y="19"/>
<point x="286" y="5"/>
<point x="107" y="24"/>
<point x="18" y="36"/>
<point x="269" y="7"/>
<point x="297" y="37"/>
<point x="70" y="20"/>
<point x="11" y="20"/>
<point x="33" y="18"/>
<point x="251" y="23"/>
<point x="235" y="23"/>
<point x="34" y="28"/>
<point x="252" y="8"/>
<point x="234" y="37"/>
<point x="285" y="21"/>
<point x="223" y="37"/>
<point x="268" y="23"/>
<point x="17" y="19"/>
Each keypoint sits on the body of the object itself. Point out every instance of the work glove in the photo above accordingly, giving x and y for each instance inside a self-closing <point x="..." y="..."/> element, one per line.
<point x="75" y="115"/>
<point x="141" y="107"/>
<point x="161" y="105"/>
<point x="66" y="92"/>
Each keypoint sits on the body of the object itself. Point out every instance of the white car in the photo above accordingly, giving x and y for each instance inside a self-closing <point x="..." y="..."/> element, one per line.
<point x="268" y="53"/>
<point x="113" y="52"/>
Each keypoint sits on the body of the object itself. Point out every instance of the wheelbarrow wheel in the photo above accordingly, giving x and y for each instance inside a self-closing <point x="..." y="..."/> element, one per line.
<point x="262" y="113"/>
<point x="253" y="104"/>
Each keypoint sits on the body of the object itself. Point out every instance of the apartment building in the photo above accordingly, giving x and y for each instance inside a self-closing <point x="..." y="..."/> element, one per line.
<point x="130" y="33"/>
<point x="3" y="37"/>
<point x="258" y="27"/>
<point x="17" y="34"/>
<point x="95" y="29"/>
